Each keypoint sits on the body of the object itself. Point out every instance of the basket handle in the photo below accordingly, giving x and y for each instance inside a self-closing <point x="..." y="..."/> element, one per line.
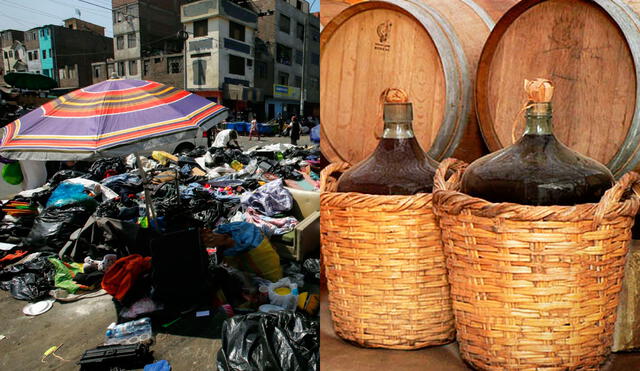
<point x="333" y="167"/>
<point x="628" y="182"/>
<point x="440" y="181"/>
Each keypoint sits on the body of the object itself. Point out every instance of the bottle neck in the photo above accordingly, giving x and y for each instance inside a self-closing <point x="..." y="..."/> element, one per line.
<point x="398" y="130"/>
<point x="538" y="119"/>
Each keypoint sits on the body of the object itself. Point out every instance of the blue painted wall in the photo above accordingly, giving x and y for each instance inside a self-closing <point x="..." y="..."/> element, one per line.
<point x="45" y="38"/>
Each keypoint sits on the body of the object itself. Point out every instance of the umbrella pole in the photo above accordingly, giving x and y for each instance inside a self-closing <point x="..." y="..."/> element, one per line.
<point x="151" y="213"/>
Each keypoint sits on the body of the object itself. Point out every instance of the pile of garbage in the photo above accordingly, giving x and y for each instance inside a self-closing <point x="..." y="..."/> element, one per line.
<point x="192" y="233"/>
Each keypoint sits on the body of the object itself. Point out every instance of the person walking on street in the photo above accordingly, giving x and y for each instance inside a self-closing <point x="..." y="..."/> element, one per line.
<point x="254" y="130"/>
<point x="295" y="130"/>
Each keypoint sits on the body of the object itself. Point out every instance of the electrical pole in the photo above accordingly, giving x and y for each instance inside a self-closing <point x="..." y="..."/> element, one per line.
<point x="304" y="62"/>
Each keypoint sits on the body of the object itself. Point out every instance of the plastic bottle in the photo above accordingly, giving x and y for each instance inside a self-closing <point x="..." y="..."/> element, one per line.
<point x="129" y="332"/>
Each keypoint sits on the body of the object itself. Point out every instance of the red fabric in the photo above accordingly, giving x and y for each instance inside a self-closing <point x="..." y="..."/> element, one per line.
<point x="123" y="274"/>
<point x="7" y="259"/>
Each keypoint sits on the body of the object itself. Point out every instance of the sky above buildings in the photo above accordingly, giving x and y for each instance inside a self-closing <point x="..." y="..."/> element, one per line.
<point x="23" y="15"/>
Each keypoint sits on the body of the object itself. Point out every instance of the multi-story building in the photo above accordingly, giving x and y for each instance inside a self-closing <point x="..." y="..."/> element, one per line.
<point x="144" y="29"/>
<point x="66" y="53"/>
<point x="288" y="57"/>
<point x="219" y="52"/>
<point x="32" y="43"/>
<point x="10" y="40"/>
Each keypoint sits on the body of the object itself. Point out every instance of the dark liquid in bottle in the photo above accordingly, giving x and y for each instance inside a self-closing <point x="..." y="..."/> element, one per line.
<point x="396" y="167"/>
<point x="537" y="170"/>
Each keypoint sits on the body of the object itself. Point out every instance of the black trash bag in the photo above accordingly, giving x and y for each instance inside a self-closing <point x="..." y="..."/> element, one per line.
<point x="199" y="151"/>
<point x="311" y="269"/>
<point x="100" y="236"/>
<point x="278" y="341"/>
<point x="63" y="175"/>
<point x="29" y="281"/>
<point x="114" y="165"/>
<point x="52" y="228"/>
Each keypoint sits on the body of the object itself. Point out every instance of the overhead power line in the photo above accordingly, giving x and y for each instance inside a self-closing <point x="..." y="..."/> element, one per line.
<point x="99" y="6"/>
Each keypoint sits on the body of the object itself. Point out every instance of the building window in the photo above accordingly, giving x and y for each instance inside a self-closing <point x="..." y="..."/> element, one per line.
<point x="6" y="55"/>
<point x="200" y="28"/>
<point x="299" y="5"/>
<point x="199" y="72"/>
<point x="285" y="23"/>
<point x="298" y="82"/>
<point x="174" y="64"/>
<point x="96" y="71"/>
<point x="145" y="67"/>
<point x="30" y="56"/>
<point x="61" y="74"/>
<point x="299" y="57"/>
<point x="110" y="70"/>
<point x="133" y="68"/>
<point x="120" y="42"/>
<point x="283" y="78"/>
<point x="50" y="54"/>
<point x="261" y="69"/>
<point x="10" y="53"/>
<point x="236" y="65"/>
<point x="120" y="69"/>
<point x="283" y="54"/>
<point x="35" y="55"/>
<point x="300" y="31"/>
<point x="236" y="31"/>
<point x="72" y="72"/>
<point x="314" y="83"/>
<point x="131" y="40"/>
<point x="315" y="33"/>
<point x="315" y="59"/>
<point x="44" y="54"/>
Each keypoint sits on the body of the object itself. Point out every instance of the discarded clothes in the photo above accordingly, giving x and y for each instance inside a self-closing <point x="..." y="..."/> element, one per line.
<point x="124" y="273"/>
<point x="270" y="199"/>
<point x="268" y="225"/>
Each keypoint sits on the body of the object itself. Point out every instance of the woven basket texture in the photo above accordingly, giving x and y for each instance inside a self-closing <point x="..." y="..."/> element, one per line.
<point x="385" y="268"/>
<point x="534" y="287"/>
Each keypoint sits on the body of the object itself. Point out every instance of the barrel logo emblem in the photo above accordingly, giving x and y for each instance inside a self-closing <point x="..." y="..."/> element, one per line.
<point x="383" y="30"/>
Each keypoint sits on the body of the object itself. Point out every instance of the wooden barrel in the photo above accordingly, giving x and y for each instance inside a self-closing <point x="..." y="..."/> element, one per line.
<point x="591" y="52"/>
<point x="331" y="8"/>
<point x="428" y="48"/>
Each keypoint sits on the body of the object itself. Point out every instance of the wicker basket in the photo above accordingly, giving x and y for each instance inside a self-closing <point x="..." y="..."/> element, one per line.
<point x="385" y="268"/>
<point x="535" y="287"/>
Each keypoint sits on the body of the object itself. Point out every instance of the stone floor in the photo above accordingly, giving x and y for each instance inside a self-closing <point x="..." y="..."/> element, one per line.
<point x="188" y="345"/>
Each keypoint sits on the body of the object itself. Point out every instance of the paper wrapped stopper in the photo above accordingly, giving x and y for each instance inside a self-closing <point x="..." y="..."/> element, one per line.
<point x="396" y="106"/>
<point x="538" y="90"/>
<point x="393" y="95"/>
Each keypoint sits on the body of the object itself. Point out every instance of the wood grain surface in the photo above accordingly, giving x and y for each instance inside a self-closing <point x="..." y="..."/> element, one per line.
<point x="583" y="51"/>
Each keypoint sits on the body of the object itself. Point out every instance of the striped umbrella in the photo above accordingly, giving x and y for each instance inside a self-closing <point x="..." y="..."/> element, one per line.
<point x="112" y="118"/>
<point x="109" y="119"/>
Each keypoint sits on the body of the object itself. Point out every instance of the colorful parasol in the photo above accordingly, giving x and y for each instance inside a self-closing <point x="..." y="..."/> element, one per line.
<point x="112" y="118"/>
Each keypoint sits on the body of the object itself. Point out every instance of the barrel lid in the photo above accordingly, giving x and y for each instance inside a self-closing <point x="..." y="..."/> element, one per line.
<point x="590" y="51"/>
<point x="366" y="49"/>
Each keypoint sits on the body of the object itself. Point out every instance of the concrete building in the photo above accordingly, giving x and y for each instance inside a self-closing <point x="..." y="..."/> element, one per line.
<point x="66" y="53"/>
<point x="288" y="57"/>
<point x="80" y="25"/>
<point x="32" y="43"/>
<point x="143" y="29"/>
<point x="8" y="54"/>
<point x="220" y="62"/>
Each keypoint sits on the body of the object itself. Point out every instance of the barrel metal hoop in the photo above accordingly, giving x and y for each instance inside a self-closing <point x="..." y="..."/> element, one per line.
<point x="629" y="23"/>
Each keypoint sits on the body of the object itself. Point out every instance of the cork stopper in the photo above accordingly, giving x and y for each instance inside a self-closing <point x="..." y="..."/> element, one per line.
<point x="397" y="107"/>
